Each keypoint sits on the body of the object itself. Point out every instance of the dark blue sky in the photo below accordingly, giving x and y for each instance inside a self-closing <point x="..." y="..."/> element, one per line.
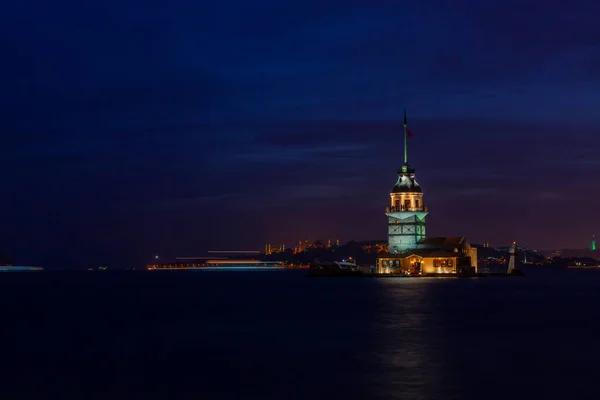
<point x="131" y="128"/>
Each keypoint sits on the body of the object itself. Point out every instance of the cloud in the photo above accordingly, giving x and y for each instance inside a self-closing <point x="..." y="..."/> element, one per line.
<point x="297" y="155"/>
<point x="189" y="202"/>
<point x="551" y="196"/>
<point x="534" y="28"/>
<point x="313" y="192"/>
<point x="474" y="192"/>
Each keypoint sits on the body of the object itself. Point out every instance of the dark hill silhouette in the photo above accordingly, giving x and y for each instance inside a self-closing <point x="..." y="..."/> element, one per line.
<point x="363" y="252"/>
<point x="5" y="259"/>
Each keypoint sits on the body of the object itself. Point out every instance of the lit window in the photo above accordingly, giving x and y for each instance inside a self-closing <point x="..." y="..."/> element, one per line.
<point x="443" y="263"/>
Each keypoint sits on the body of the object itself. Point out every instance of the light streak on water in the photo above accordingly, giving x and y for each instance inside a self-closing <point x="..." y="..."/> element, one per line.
<point x="18" y="268"/>
<point x="234" y="251"/>
<point x="241" y="267"/>
<point x="223" y="268"/>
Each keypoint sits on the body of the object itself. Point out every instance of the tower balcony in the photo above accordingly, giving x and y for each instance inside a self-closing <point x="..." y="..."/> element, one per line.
<point x="406" y="209"/>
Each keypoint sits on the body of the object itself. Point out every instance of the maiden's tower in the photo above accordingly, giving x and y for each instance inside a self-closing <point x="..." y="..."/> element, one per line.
<point x="410" y="251"/>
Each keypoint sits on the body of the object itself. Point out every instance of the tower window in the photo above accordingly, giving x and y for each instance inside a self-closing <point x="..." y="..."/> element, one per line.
<point x="397" y="203"/>
<point x="407" y="203"/>
<point x="417" y="203"/>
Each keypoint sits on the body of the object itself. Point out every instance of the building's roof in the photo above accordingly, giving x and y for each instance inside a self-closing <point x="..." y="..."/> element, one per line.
<point x="406" y="181"/>
<point x="433" y="253"/>
<point x="433" y="247"/>
<point x="421" y="253"/>
<point x="444" y="241"/>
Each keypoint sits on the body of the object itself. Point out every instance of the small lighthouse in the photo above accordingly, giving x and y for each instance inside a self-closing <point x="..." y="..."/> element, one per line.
<point x="593" y="243"/>
<point x="407" y="213"/>
<point x="512" y="263"/>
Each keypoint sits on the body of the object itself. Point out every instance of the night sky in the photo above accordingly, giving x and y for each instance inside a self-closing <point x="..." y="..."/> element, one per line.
<point x="134" y="128"/>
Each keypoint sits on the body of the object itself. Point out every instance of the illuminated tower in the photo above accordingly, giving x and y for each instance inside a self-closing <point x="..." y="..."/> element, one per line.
<point x="593" y="242"/>
<point x="406" y="214"/>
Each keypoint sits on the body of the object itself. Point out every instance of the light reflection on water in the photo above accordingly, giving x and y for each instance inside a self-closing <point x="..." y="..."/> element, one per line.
<point x="490" y="338"/>
<point x="406" y="351"/>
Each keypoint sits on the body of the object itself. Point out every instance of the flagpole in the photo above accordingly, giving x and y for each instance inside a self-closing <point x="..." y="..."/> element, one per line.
<point x="405" y="148"/>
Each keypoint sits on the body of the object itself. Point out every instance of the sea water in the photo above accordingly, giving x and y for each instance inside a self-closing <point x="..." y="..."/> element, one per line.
<point x="277" y="335"/>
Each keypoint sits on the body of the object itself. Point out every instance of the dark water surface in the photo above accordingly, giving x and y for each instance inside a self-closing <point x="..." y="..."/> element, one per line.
<point x="278" y="335"/>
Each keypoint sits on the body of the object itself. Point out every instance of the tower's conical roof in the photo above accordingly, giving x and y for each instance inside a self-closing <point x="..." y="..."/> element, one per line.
<point x="406" y="181"/>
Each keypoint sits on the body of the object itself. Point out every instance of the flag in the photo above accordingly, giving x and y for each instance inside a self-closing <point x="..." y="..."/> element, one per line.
<point x="408" y="132"/>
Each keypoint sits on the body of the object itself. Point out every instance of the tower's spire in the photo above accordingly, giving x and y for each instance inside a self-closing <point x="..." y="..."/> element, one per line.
<point x="405" y="148"/>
